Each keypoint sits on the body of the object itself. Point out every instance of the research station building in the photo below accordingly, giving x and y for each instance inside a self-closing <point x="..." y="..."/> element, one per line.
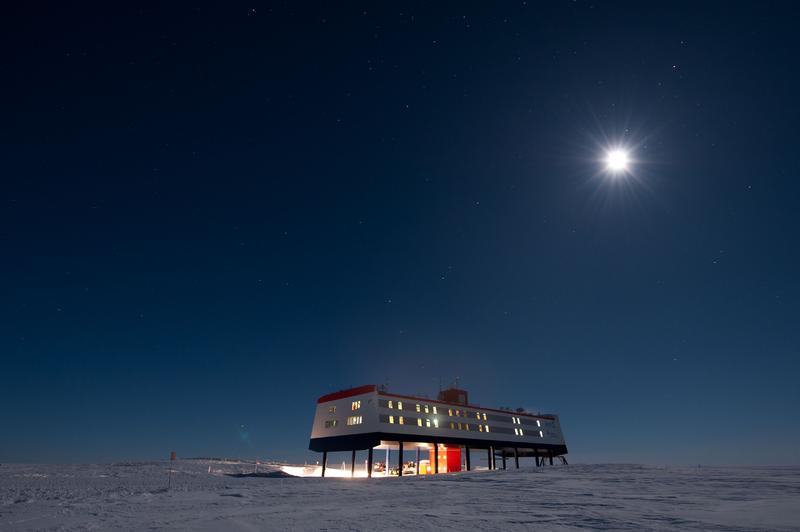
<point x="370" y="417"/>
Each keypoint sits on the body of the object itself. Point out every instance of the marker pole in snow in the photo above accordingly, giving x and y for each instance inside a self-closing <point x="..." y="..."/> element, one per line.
<point x="172" y="457"/>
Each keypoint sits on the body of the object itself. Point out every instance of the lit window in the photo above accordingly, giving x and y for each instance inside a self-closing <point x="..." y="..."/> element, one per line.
<point x="426" y="409"/>
<point x="355" y="405"/>
<point x="401" y="420"/>
<point x="354" y="420"/>
<point x="487" y="428"/>
<point x="516" y="431"/>
<point x="458" y="413"/>
<point x="480" y="428"/>
<point x="330" y="423"/>
<point x="452" y="425"/>
<point x="332" y="410"/>
<point x="538" y="423"/>
<point x="521" y="433"/>
<point x="434" y="410"/>
<point x="484" y="416"/>
<point x="450" y="412"/>
<point x="399" y="405"/>
<point x="427" y="422"/>
<point x="467" y="425"/>
<point x="391" y="419"/>
<point x="541" y="434"/>
<point x="419" y="421"/>
<point x="417" y="407"/>
<point x="477" y="415"/>
<point x="459" y="425"/>
<point x="436" y="423"/>
<point x="391" y="404"/>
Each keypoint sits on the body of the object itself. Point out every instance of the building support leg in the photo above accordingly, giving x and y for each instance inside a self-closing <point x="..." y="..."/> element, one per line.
<point x="369" y="463"/>
<point x="466" y="450"/>
<point x="353" y="464"/>
<point x="504" y="459"/>
<point x="386" y="469"/>
<point x="489" y="455"/>
<point x="551" y="458"/>
<point x="435" y="458"/>
<point x="516" y="457"/>
<point x="417" y="460"/>
<point x="324" y="461"/>
<point x="400" y="459"/>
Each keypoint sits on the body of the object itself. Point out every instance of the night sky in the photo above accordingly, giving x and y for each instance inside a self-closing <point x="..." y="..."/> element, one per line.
<point x="213" y="215"/>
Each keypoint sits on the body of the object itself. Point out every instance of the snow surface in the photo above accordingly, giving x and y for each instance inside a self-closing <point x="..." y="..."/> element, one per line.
<point x="204" y="496"/>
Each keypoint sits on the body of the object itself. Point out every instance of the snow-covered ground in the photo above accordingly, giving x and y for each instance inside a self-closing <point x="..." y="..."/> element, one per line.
<point x="202" y="496"/>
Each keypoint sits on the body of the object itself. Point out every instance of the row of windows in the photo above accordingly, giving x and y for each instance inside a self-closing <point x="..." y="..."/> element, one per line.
<point x="330" y="423"/>
<point x="420" y="422"/>
<point x="456" y="425"/>
<point x="355" y="420"/>
<point x="457" y="412"/>
<point x="432" y="409"/>
<point x="459" y="426"/>
<point x="355" y="405"/>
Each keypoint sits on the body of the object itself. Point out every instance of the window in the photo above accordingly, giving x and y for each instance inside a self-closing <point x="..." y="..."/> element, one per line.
<point x="434" y="410"/>
<point x="521" y="433"/>
<point x="436" y="423"/>
<point x="541" y="435"/>
<point x="399" y="405"/>
<point x="391" y="419"/>
<point x="452" y="425"/>
<point x="486" y="427"/>
<point x="477" y="415"/>
<point x="427" y="422"/>
<point x="391" y="403"/>
<point x="458" y="413"/>
<point x="426" y="409"/>
<point x="329" y="424"/>
<point x="354" y="420"/>
<point x="450" y="412"/>
<point x="419" y="421"/>
<point x="400" y="420"/>
<point x="480" y="428"/>
<point x="484" y="416"/>
<point x="331" y="409"/>
<point x="355" y="405"/>
<point x="467" y="425"/>
<point x="538" y="423"/>
<point x="459" y="425"/>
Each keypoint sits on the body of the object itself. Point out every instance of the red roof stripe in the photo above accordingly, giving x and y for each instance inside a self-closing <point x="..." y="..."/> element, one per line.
<point x="341" y="394"/>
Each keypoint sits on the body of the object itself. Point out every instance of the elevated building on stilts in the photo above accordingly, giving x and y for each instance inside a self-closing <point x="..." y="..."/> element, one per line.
<point x="443" y="432"/>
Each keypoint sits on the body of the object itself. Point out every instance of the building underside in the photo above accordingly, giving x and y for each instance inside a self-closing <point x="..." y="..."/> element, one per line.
<point x="385" y="440"/>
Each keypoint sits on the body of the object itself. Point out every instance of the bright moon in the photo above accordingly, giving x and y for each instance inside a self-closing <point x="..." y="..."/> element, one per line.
<point x="617" y="161"/>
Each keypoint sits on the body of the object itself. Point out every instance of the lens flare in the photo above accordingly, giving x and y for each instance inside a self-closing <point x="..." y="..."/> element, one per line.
<point x="617" y="161"/>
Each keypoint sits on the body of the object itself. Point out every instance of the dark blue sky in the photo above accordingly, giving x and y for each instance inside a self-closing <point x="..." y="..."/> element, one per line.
<point x="213" y="215"/>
